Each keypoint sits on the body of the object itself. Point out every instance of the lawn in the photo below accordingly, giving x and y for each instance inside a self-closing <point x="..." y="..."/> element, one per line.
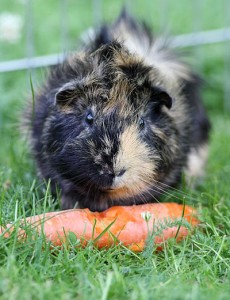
<point x="197" y="268"/>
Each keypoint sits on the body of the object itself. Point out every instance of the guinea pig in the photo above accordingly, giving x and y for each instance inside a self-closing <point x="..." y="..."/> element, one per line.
<point x="119" y="121"/>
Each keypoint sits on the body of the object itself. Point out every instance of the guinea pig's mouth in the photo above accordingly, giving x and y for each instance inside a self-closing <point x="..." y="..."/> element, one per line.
<point x="115" y="188"/>
<point x="116" y="185"/>
<point x="108" y="189"/>
<point x="114" y="192"/>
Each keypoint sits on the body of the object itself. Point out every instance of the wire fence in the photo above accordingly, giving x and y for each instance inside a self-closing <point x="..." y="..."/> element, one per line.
<point x="196" y="38"/>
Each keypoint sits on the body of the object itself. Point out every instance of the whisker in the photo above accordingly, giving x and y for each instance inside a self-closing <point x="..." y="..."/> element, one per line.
<point x="168" y="186"/>
<point x="165" y="190"/>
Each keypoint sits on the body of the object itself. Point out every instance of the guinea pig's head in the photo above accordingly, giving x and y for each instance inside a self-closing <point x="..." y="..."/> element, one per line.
<point x="112" y="135"/>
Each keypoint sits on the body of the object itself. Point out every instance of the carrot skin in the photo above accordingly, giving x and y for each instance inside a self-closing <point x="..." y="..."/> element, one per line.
<point x="129" y="225"/>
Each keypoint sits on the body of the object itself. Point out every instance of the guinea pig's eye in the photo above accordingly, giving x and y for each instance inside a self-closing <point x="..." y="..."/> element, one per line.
<point x="89" y="118"/>
<point x="141" y="123"/>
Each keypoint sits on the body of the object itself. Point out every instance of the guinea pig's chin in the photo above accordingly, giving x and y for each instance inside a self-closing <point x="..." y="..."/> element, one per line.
<point x="117" y="186"/>
<point x="120" y="190"/>
<point x="118" y="193"/>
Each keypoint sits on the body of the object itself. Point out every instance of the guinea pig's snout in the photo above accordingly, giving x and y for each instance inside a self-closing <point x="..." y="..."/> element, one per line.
<point x="107" y="172"/>
<point x="111" y="173"/>
<point x="110" y="176"/>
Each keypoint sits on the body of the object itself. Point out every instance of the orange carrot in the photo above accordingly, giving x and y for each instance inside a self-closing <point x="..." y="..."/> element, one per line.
<point x="129" y="225"/>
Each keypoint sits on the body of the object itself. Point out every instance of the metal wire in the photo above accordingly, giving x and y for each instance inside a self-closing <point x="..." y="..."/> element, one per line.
<point x="185" y="40"/>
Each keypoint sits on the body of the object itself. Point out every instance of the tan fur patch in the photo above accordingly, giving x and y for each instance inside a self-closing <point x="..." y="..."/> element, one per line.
<point x="158" y="132"/>
<point x="136" y="159"/>
<point x="117" y="98"/>
<point x="135" y="42"/>
<point x="196" y="162"/>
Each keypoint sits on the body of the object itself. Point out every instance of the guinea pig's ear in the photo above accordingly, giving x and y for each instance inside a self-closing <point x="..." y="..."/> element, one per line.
<point x="161" y="97"/>
<point x="65" y="94"/>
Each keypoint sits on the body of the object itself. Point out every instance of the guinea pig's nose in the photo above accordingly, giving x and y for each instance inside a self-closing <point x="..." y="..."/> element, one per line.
<point x="109" y="173"/>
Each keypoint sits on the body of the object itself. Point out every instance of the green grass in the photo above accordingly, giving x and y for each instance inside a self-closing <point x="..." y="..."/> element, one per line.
<point x="197" y="268"/>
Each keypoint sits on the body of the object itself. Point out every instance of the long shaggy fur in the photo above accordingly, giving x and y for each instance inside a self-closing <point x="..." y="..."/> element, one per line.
<point x="119" y="121"/>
